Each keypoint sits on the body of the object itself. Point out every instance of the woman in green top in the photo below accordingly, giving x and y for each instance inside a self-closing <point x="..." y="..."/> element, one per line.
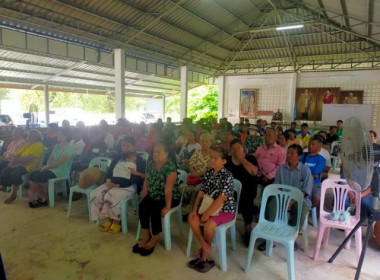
<point x="58" y="165"/>
<point x="160" y="193"/>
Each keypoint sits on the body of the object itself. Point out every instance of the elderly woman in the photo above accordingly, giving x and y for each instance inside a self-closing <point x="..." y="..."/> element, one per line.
<point x="25" y="161"/>
<point x="106" y="199"/>
<point x="200" y="160"/>
<point x="58" y="165"/>
<point x="244" y="168"/>
<point x="160" y="193"/>
<point x="217" y="183"/>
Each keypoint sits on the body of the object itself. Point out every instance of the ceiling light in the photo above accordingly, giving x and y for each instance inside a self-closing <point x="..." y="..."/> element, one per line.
<point x="289" y="27"/>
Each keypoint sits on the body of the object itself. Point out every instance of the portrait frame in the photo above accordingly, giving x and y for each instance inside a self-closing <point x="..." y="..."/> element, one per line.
<point x="248" y="103"/>
<point x="345" y="97"/>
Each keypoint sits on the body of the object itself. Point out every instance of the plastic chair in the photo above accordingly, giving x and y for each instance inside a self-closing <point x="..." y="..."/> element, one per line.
<point x="334" y="156"/>
<point x="279" y="230"/>
<point x="340" y="190"/>
<point x="51" y="188"/>
<point x="134" y="199"/>
<point x="182" y="177"/>
<point x="221" y="232"/>
<point x="102" y="163"/>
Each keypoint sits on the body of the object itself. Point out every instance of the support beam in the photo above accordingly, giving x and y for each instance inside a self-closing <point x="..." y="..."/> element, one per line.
<point x="163" y="108"/>
<point x="47" y="109"/>
<point x="370" y="9"/>
<point x="345" y="13"/>
<point x="221" y="108"/>
<point x="120" y="83"/>
<point x="183" y="102"/>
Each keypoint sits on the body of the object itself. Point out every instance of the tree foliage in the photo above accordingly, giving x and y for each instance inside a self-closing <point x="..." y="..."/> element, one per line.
<point x="203" y="102"/>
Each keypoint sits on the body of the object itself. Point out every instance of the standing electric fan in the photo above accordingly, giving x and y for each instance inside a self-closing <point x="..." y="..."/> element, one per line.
<point x="357" y="156"/>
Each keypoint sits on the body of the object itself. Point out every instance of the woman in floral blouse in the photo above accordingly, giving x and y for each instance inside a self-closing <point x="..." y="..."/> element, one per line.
<point x="218" y="183"/>
<point x="160" y="193"/>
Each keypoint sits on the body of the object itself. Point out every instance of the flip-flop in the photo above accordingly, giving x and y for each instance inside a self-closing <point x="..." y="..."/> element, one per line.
<point x="204" y="266"/>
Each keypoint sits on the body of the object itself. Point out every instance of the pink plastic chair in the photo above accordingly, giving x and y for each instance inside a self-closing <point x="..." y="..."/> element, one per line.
<point x="340" y="193"/>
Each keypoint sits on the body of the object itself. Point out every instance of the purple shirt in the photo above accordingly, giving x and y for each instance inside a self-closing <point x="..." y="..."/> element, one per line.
<point x="269" y="160"/>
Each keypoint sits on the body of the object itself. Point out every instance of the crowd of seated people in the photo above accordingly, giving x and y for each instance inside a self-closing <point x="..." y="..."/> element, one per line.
<point x="213" y="153"/>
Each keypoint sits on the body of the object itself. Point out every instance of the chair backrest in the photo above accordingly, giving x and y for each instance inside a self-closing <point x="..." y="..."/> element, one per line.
<point x="144" y="155"/>
<point x="335" y="147"/>
<point x="340" y="190"/>
<point x="237" y="189"/>
<point x="284" y="195"/>
<point x="101" y="162"/>
<point x="182" y="177"/>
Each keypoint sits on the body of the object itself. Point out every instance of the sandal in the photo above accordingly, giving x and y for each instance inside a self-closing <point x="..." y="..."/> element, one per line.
<point x="193" y="263"/>
<point x="105" y="227"/>
<point x="204" y="266"/>
<point x="115" y="228"/>
<point x="146" y="252"/>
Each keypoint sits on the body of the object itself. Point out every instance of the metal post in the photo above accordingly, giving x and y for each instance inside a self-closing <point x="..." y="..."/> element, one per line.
<point x="47" y="109"/>
<point x="119" y="57"/>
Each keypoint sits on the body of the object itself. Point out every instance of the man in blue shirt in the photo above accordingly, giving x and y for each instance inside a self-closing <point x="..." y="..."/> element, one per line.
<point x="316" y="163"/>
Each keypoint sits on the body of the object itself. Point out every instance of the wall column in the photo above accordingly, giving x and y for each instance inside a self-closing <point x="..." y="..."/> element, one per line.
<point x="183" y="102"/>
<point x="163" y="108"/>
<point x="119" y="57"/>
<point x="221" y="108"/>
<point x="47" y="109"/>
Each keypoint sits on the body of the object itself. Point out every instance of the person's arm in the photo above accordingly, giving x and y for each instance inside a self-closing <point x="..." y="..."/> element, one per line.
<point x="320" y="165"/>
<point x="170" y="181"/>
<point x="51" y="164"/>
<point x="249" y="167"/>
<point x="144" y="191"/>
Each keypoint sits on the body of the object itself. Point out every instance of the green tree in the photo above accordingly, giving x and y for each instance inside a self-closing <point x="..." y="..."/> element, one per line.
<point x="203" y="102"/>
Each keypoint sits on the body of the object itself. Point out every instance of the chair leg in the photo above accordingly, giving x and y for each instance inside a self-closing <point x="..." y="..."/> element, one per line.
<point x="89" y="207"/>
<point x="138" y="231"/>
<point x="51" y="193"/>
<point x="166" y="231"/>
<point x="222" y="244"/>
<point x="124" y="216"/>
<point x="269" y="248"/>
<point x="326" y="236"/>
<point x="289" y="246"/>
<point x="348" y="244"/>
<point x="179" y="219"/>
<point x="318" y="242"/>
<point x="19" y="191"/>
<point x="233" y="237"/>
<point x="70" y="201"/>
<point x="304" y="235"/>
<point x="358" y="242"/>
<point x="314" y="216"/>
<point x="189" y="241"/>
<point x="251" y="248"/>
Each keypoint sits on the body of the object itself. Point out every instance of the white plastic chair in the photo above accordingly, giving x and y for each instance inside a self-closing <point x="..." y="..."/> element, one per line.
<point x="279" y="230"/>
<point x="334" y="155"/>
<point x="221" y="232"/>
<point x="340" y="190"/>
<point x="102" y="163"/>
<point x="182" y="177"/>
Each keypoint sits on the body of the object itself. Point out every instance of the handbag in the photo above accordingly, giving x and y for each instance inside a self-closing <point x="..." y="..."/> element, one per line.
<point x="206" y="203"/>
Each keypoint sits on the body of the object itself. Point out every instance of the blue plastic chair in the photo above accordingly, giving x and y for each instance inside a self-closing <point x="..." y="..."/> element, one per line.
<point x="182" y="177"/>
<point x="102" y="163"/>
<point x="279" y="230"/>
<point x="221" y="232"/>
<point x="124" y="210"/>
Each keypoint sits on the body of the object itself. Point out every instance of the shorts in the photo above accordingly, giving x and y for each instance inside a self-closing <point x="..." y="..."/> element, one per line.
<point x="222" y="218"/>
<point x="41" y="177"/>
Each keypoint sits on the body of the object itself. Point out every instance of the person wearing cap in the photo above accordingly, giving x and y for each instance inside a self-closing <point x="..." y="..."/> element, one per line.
<point x="253" y="140"/>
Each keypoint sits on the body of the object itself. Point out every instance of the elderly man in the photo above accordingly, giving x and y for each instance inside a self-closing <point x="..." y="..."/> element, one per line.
<point x="269" y="157"/>
<point x="316" y="163"/>
<point x="292" y="173"/>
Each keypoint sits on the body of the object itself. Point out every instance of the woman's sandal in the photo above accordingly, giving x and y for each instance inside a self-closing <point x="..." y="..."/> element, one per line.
<point x="204" y="266"/>
<point x="105" y="226"/>
<point x="115" y="228"/>
<point x="146" y="252"/>
<point x="193" y="263"/>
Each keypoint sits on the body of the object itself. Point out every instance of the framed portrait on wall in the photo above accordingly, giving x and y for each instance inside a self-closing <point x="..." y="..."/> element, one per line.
<point x="351" y="97"/>
<point x="305" y="103"/>
<point x="248" y="103"/>
<point x="330" y="95"/>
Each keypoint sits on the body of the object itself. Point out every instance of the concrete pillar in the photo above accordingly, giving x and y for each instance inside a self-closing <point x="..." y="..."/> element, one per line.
<point x="119" y="57"/>
<point x="163" y="108"/>
<point x="183" y="102"/>
<point x="292" y="96"/>
<point x="47" y="109"/>
<point x="221" y="108"/>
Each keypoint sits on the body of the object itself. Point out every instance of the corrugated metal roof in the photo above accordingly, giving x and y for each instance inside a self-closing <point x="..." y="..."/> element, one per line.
<point x="211" y="37"/>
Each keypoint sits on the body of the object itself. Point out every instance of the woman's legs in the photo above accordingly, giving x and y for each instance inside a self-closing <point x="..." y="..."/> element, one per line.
<point x="97" y="201"/>
<point x="112" y="203"/>
<point x="15" y="179"/>
<point x="195" y="224"/>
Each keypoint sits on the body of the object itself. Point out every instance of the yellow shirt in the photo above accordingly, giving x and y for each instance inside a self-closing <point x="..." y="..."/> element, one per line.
<point x="37" y="150"/>
<point x="305" y="140"/>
